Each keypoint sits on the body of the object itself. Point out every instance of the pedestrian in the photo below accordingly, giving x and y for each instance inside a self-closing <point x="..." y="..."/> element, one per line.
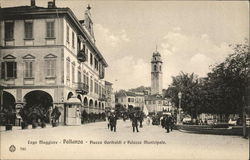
<point x="108" y="118"/>
<point x="171" y="120"/>
<point x="167" y="123"/>
<point x="113" y="120"/>
<point x="148" y="120"/>
<point x="141" y="119"/>
<point x="135" y="123"/>
<point x="162" y="120"/>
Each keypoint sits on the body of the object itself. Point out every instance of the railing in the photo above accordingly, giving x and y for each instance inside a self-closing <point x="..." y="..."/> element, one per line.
<point x="82" y="88"/>
<point x="102" y="98"/>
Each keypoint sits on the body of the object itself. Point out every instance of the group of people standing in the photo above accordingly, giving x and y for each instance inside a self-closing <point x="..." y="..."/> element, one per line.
<point x="135" y="117"/>
<point x="112" y="120"/>
<point x="167" y="122"/>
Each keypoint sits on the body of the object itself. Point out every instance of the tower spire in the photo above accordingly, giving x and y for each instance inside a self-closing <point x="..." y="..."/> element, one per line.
<point x="156" y="48"/>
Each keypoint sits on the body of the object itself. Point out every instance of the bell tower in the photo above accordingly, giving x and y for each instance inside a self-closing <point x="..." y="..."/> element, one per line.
<point x="156" y="73"/>
<point x="88" y="23"/>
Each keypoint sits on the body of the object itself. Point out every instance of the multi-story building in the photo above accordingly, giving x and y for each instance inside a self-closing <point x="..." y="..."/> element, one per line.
<point x="156" y="104"/>
<point x="130" y="99"/>
<point x="48" y="56"/>
<point x="110" y="96"/>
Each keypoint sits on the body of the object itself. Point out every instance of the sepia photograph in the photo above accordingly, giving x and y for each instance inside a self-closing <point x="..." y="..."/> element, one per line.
<point x="124" y="79"/>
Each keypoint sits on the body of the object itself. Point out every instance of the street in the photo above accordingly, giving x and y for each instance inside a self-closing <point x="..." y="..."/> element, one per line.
<point x="95" y="141"/>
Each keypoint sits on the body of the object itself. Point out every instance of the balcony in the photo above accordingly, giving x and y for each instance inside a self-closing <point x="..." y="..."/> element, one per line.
<point x="102" y="98"/>
<point x="82" y="56"/>
<point x="81" y="88"/>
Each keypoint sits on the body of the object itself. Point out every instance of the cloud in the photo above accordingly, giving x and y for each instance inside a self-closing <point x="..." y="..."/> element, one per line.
<point x="202" y="62"/>
<point x="129" y="72"/>
<point x="176" y="29"/>
<point x="190" y="53"/>
<point x="113" y="39"/>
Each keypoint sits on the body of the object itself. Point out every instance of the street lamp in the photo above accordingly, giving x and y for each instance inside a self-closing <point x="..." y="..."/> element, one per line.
<point x="179" y="113"/>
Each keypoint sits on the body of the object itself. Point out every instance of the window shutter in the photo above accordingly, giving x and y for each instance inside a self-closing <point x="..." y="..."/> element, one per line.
<point x="14" y="70"/>
<point x="2" y="70"/>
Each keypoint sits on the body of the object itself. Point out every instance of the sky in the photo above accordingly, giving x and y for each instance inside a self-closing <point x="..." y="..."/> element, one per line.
<point x="191" y="36"/>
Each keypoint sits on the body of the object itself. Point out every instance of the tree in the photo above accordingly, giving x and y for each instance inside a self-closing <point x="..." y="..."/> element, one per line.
<point x="139" y="89"/>
<point x="228" y="81"/>
<point x="225" y="90"/>
<point x="190" y="88"/>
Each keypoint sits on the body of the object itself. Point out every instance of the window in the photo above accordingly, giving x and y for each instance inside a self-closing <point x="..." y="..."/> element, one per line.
<point x="73" y="73"/>
<point x="159" y="102"/>
<point x="91" y="85"/>
<point x="84" y="47"/>
<point x="50" y="29"/>
<point x="9" y="30"/>
<point x="79" y="76"/>
<point x="96" y="64"/>
<point x="96" y="88"/>
<point x="160" y="68"/>
<point x="131" y="99"/>
<point x="28" y="29"/>
<point x="87" y="52"/>
<point x="28" y="69"/>
<point x="67" y="36"/>
<point x="8" y="70"/>
<point x="73" y="39"/>
<point x="51" y="68"/>
<point x="155" y="67"/>
<point x="68" y="70"/>
<point x="87" y="80"/>
<point x="91" y="59"/>
<point x="84" y="78"/>
<point x="100" y="90"/>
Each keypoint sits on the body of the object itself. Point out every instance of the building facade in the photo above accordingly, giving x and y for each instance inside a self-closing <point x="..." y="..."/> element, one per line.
<point x="131" y="99"/>
<point x="110" y="96"/>
<point x="156" y="74"/>
<point x="49" y="56"/>
<point x="156" y="104"/>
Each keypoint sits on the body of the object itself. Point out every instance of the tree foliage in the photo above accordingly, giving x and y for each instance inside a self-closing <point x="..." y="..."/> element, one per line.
<point x="223" y="89"/>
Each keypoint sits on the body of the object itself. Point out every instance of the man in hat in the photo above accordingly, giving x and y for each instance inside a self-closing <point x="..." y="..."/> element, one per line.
<point x="113" y="120"/>
<point x="135" y="122"/>
<point x="167" y="123"/>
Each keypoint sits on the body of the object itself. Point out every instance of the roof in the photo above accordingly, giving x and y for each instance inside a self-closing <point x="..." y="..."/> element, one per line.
<point x="73" y="100"/>
<point x="128" y="93"/>
<point x="132" y="94"/>
<point x="156" y="53"/>
<point x="30" y="12"/>
<point x="120" y="94"/>
<point x="108" y="83"/>
<point x="153" y="98"/>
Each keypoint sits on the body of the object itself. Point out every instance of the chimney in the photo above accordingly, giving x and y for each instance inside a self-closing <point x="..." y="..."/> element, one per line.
<point x="32" y="3"/>
<point x="52" y="4"/>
